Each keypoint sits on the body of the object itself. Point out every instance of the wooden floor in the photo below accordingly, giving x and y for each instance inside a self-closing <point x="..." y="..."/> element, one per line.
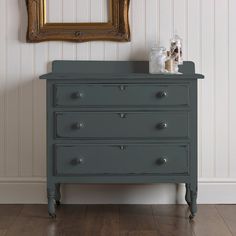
<point x="117" y="220"/>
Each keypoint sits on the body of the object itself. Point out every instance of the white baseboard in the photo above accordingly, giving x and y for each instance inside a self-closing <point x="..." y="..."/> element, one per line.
<point x="33" y="191"/>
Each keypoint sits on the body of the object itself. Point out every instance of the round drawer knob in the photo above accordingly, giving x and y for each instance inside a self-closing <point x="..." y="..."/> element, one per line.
<point x="162" y="94"/>
<point x="122" y="87"/>
<point x="77" y="95"/>
<point x="162" y="125"/>
<point x="162" y="161"/>
<point x="123" y="115"/>
<point x="77" y="161"/>
<point x="122" y="147"/>
<point x="78" y="125"/>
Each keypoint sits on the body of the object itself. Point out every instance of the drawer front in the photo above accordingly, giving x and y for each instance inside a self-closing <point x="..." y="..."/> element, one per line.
<point x="116" y="159"/>
<point x="121" y="125"/>
<point x="120" y="95"/>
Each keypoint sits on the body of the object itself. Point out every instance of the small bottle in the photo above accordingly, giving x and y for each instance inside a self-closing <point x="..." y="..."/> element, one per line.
<point x="157" y="59"/>
<point x="169" y="63"/>
<point x="176" y="49"/>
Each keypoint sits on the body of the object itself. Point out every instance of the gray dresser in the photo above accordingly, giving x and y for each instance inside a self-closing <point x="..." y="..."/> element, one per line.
<point x="112" y="122"/>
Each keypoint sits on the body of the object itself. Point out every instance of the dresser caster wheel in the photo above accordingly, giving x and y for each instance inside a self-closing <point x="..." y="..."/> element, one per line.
<point x="191" y="217"/>
<point x="58" y="203"/>
<point x="53" y="216"/>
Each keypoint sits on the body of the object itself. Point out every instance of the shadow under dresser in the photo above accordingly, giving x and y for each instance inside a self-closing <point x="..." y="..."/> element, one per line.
<point x="113" y="122"/>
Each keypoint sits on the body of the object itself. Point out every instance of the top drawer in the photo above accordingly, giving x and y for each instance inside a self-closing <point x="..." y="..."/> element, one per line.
<point x="95" y="95"/>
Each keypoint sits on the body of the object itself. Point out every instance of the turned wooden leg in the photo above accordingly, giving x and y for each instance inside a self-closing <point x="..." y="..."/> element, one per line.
<point x="187" y="194"/>
<point x="193" y="204"/>
<point x="58" y="195"/>
<point x="51" y="201"/>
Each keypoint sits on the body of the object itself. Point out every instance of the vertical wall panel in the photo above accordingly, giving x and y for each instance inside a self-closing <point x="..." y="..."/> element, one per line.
<point x="68" y="15"/>
<point x="54" y="52"/>
<point x="55" y="48"/>
<point x="3" y="19"/>
<point x="124" y="49"/>
<point x="12" y="92"/>
<point x="110" y="48"/>
<point x="166" y="22"/>
<point x="193" y="46"/>
<point x="111" y="51"/>
<point x="41" y="65"/>
<point x="180" y="22"/>
<point x="83" y="49"/>
<point x="152" y="23"/>
<point x="232" y="86"/>
<point x="208" y="104"/>
<point x="97" y="48"/>
<point x="221" y="88"/>
<point x="193" y="32"/>
<point x="25" y="98"/>
<point x="138" y="31"/>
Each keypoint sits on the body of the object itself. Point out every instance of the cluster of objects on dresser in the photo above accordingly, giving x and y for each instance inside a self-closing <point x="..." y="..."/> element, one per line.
<point x="162" y="61"/>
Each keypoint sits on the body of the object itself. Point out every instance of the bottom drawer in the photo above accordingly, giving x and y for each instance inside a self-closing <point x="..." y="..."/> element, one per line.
<point x="120" y="160"/>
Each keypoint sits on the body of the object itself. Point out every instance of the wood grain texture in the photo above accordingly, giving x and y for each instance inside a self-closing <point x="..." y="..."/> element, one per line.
<point x="117" y="220"/>
<point x="210" y="222"/>
<point x="136" y="218"/>
<point x="8" y="215"/>
<point x="172" y="220"/>
<point x="3" y="232"/>
<point x="228" y="212"/>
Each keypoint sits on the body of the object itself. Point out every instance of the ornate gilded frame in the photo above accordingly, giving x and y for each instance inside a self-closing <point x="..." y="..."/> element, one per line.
<point x="116" y="29"/>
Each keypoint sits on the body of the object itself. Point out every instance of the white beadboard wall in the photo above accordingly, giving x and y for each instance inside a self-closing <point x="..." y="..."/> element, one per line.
<point x="209" y="32"/>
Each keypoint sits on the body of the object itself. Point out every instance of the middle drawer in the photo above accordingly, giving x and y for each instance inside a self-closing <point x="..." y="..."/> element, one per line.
<point x="116" y="125"/>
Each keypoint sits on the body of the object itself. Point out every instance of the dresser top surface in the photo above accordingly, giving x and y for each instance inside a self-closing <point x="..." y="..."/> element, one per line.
<point x="80" y="70"/>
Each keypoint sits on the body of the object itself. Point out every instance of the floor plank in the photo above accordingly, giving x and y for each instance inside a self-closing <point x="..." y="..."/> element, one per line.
<point x="136" y="218"/>
<point x="172" y="220"/>
<point x="208" y="222"/>
<point x="117" y="220"/>
<point x="3" y="232"/>
<point x="104" y="220"/>
<point x="35" y="211"/>
<point x="228" y="212"/>
<point x="34" y="221"/>
<point x="97" y="220"/>
<point x="26" y="226"/>
<point x="8" y="214"/>
<point x="139" y="233"/>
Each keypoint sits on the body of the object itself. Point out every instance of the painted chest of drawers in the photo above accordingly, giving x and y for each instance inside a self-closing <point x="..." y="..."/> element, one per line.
<point x="112" y="122"/>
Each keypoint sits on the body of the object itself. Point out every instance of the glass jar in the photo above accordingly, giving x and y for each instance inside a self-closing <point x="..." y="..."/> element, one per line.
<point x="157" y="59"/>
<point x="176" y="49"/>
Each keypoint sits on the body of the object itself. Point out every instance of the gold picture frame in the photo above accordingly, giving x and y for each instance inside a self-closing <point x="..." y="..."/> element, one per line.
<point x="116" y="29"/>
